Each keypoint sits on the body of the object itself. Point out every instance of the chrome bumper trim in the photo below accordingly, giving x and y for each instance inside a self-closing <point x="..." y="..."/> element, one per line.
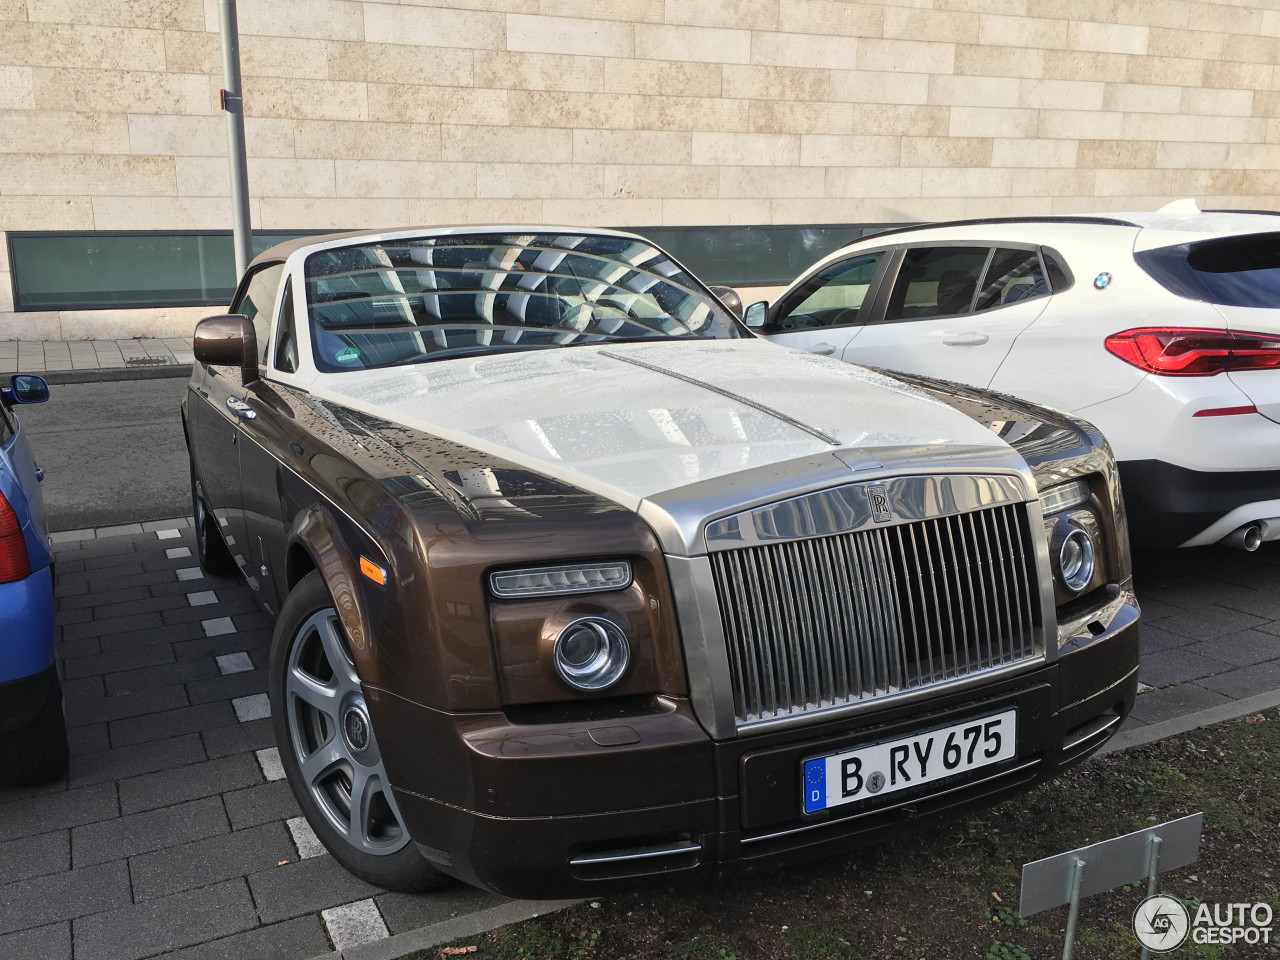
<point x="638" y="853"/>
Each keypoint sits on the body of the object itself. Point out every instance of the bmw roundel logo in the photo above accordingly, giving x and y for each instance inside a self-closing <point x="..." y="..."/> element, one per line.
<point x="1102" y="280"/>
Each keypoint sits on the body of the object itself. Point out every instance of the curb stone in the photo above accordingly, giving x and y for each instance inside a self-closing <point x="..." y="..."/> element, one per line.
<point x="434" y="934"/>
<point x="1138" y="736"/>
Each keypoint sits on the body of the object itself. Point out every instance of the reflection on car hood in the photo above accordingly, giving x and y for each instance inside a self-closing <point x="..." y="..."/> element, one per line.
<point x="631" y="421"/>
<point x="1055" y="445"/>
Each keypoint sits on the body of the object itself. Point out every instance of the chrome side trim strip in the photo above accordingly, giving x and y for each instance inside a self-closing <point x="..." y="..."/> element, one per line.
<point x="894" y="806"/>
<point x="640" y="853"/>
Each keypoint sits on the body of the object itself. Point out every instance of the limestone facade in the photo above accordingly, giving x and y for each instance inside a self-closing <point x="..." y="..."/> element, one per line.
<point x="624" y="112"/>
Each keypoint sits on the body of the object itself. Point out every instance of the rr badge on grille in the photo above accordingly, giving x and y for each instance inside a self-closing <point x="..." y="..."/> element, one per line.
<point x="878" y="498"/>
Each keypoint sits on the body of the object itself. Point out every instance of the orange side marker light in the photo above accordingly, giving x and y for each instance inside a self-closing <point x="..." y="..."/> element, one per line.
<point x="373" y="571"/>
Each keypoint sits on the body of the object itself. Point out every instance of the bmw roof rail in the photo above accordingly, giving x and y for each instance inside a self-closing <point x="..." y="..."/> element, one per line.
<point x="985" y="221"/>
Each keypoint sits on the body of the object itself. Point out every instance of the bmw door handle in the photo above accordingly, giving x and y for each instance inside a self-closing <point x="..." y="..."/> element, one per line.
<point x="822" y="349"/>
<point x="241" y="409"/>
<point x="966" y="340"/>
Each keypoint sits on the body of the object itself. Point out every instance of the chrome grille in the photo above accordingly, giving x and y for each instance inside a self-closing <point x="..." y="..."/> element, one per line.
<point x="822" y="622"/>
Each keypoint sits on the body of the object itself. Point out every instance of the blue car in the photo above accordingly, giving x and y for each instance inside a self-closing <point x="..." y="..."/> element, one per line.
<point x="33" y="733"/>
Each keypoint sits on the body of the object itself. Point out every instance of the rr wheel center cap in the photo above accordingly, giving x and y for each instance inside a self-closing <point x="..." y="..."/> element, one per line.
<point x="355" y="728"/>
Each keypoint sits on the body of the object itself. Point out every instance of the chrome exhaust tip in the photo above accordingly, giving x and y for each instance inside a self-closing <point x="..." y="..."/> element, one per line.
<point x="1249" y="537"/>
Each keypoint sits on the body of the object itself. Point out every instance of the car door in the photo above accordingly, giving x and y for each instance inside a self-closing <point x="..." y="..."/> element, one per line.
<point x="223" y="412"/>
<point x="954" y="311"/>
<point x="266" y="435"/>
<point x="824" y="312"/>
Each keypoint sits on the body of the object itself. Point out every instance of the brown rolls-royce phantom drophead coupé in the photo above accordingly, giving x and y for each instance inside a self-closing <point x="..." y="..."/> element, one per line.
<point x="576" y="581"/>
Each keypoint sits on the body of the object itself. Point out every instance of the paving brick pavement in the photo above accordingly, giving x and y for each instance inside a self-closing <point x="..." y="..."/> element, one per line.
<point x="171" y="833"/>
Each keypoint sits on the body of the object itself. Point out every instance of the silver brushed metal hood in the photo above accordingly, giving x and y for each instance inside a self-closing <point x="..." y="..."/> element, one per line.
<point x="679" y="431"/>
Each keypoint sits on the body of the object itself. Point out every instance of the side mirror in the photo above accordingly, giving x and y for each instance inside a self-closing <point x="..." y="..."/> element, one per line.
<point x="729" y="297"/>
<point x="228" y="341"/>
<point x="756" y="315"/>
<point x="26" y="388"/>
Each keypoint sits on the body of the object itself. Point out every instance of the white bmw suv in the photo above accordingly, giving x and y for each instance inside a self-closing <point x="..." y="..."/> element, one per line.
<point x="1162" y="329"/>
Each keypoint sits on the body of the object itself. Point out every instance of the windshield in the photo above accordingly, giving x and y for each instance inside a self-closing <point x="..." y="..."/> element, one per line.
<point x="1239" y="271"/>
<point x="408" y="301"/>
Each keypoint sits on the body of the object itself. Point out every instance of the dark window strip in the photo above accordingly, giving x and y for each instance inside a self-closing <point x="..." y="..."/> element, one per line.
<point x="100" y="270"/>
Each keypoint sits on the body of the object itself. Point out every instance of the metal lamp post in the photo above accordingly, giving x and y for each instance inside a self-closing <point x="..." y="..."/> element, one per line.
<point x="232" y="101"/>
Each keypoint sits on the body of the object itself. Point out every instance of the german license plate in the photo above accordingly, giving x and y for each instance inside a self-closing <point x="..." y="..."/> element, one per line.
<point x="892" y="765"/>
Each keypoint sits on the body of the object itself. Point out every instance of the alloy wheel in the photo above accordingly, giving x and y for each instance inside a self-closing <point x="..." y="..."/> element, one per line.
<point x="333" y="742"/>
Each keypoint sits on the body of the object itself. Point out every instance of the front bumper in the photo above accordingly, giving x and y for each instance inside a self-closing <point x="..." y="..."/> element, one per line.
<point x="585" y="806"/>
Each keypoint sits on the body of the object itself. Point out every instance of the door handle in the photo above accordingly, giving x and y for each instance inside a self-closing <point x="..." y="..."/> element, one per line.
<point x="241" y="409"/>
<point x="822" y="349"/>
<point x="966" y="340"/>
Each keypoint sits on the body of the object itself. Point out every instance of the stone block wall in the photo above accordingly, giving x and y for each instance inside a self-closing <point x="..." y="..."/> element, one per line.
<point x="624" y="112"/>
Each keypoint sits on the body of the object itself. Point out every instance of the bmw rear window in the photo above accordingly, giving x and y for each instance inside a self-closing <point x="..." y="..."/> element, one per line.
<point x="1232" y="271"/>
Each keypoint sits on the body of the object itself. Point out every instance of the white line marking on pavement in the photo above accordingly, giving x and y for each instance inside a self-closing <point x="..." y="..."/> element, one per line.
<point x="234" y="663"/>
<point x="218" y="626"/>
<point x="354" y="923"/>
<point x="255" y="707"/>
<point x="269" y="761"/>
<point x="304" y="838"/>
<point x="190" y="573"/>
<point x="168" y="534"/>
<point x="202" y="598"/>
<point x="177" y="553"/>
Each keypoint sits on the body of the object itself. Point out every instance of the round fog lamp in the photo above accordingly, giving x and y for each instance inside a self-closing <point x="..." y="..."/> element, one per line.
<point x="591" y="653"/>
<point x="1075" y="560"/>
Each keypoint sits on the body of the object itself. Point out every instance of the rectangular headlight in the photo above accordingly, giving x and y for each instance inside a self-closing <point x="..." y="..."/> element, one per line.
<point x="552" y="581"/>
<point x="1064" y="496"/>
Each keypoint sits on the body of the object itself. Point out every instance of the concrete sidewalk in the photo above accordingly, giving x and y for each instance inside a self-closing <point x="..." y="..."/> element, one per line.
<point x="67" y="361"/>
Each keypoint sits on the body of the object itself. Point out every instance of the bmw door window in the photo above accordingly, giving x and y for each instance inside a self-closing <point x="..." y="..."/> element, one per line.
<point x="422" y="299"/>
<point x="6" y="427"/>
<point x="936" y="282"/>
<point x="1012" y="276"/>
<point x="1231" y="271"/>
<point x="833" y="297"/>
<point x="257" y="302"/>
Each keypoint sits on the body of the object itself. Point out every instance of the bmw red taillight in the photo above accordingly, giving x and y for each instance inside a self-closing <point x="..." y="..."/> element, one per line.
<point x="1188" y="352"/>
<point x="14" y="562"/>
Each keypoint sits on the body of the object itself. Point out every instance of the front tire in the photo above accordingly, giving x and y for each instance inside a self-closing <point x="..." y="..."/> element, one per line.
<point x="37" y="752"/>
<point x="328" y="749"/>
<point x="211" y="550"/>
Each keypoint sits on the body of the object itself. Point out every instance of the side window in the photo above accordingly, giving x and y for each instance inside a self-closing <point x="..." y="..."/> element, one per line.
<point x="257" y="303"/>
<point x="286" y="340"/>
<point x="1059" y="276"/>
<point x="1012" y="275"/>
<point x="936" y="282"/>
<point x="833" y="297"/>
<point x="6" y="426"/>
